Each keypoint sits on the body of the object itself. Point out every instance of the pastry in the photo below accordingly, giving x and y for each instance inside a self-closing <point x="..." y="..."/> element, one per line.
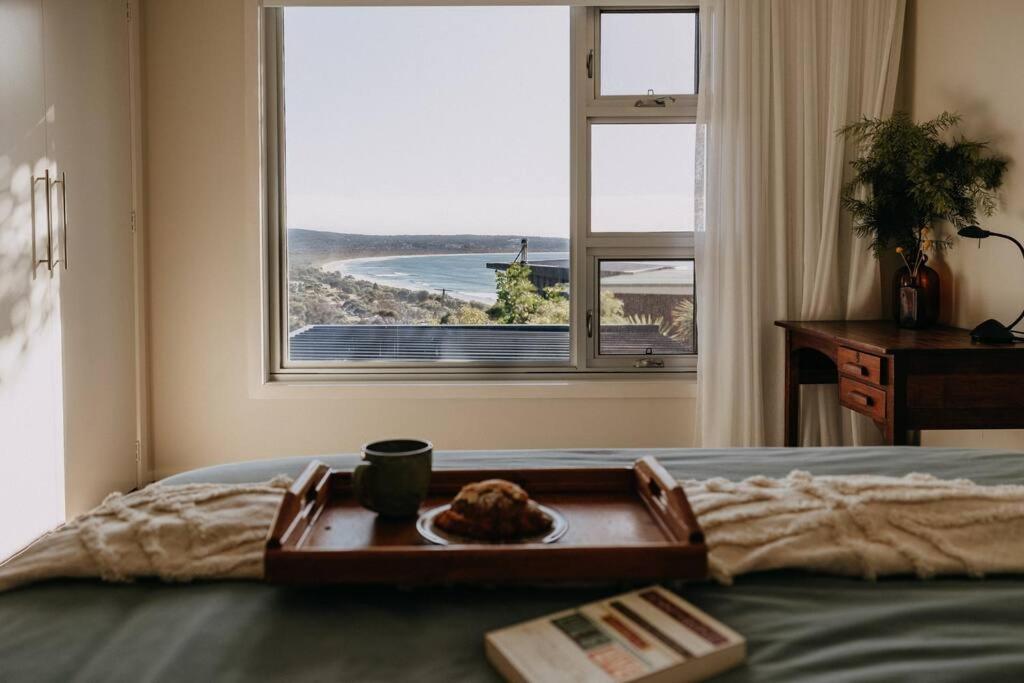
<point x="494" y="510"/>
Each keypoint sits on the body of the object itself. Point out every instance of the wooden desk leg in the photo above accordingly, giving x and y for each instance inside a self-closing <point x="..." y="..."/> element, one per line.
<point x="895" y="429"/>
<point x="792" y="394"/>
<point x="902" y="437"/>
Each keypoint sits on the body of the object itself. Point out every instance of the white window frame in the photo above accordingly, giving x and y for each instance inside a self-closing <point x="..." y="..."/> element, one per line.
<point x="586" y="107"/>
<point x="679" y="101"/>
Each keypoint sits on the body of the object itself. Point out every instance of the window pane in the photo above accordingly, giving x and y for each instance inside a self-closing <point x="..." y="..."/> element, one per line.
<point x="646" y="308"/>
<point x="424" y="144"/>
<point x="642" y="177"/>
<point x="643" y="51"/>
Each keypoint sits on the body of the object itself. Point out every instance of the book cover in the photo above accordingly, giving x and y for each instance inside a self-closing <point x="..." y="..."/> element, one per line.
<point x="649" y="635"/>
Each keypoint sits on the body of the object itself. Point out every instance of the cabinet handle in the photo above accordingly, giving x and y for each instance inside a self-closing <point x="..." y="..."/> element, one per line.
<point x="32" y="202"/>
<point x="855" y="369"/>
<point x="63" y="182"/>
<point x="863" y="399"/>
<point x="49" y="222"/>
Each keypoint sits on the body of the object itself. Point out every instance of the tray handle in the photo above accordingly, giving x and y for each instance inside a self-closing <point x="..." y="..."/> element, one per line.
<point x="300" y="504"/>
<point x="666" y="500"/>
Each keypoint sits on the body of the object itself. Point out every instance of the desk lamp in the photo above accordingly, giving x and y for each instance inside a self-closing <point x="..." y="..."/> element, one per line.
<point x="992" y="331"/>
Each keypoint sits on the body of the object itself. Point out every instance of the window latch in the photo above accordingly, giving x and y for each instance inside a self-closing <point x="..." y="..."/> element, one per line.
<point x="590" y="64"/>
<point x="590" y="324"/>
<point x="653" y="100"/>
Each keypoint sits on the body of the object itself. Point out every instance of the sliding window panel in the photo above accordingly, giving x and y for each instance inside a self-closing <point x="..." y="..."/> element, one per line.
<point x="646" y="307"/>
<point x="427" y="186"/>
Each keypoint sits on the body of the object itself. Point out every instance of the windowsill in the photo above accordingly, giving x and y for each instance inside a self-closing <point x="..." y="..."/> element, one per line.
<point x="677" y="386"/>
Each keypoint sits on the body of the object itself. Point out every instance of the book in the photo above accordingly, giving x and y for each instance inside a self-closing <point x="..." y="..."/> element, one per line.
<point x="649" y="635"/>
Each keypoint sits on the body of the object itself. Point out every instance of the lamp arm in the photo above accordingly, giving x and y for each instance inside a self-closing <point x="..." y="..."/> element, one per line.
<point x="1021" y="247"/>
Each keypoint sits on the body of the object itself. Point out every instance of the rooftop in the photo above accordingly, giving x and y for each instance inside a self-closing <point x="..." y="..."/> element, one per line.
<point x="479" y="343"/>
<point x="653" y="281"/>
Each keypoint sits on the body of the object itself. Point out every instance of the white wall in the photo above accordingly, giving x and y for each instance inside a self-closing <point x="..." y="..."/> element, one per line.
<point x="962" y="56"/>
<point x="968" y="57"/>
<point x="203" y="409"/>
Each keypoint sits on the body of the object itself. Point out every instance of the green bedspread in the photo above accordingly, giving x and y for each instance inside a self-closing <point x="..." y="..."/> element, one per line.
<point x="799" y="627"/>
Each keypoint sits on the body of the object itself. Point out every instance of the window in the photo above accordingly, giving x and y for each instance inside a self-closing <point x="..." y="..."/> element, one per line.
<point x="636" y="170"/>
<point x="458" y="190"/>
<point x="648" y="52"/>
<point x="646" y="308"/>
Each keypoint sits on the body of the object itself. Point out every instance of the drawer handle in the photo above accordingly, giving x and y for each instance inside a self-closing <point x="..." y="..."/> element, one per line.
<point x="856" y="369"/>
<point x="863" y="399"/>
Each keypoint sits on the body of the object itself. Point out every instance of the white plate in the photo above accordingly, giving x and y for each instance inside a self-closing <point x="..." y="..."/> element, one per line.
<point x="435" y="534"/>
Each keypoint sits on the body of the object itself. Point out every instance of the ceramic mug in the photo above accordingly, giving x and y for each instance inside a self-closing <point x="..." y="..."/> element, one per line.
<point x="394" y="479"/>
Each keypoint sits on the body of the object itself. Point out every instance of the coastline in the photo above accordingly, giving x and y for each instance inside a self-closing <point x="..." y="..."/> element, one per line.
<point x="342" y="267"/>
<point x="459" y="277"/>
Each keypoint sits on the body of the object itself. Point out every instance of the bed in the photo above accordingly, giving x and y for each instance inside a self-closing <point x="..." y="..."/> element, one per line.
<point x="799" y="627"/>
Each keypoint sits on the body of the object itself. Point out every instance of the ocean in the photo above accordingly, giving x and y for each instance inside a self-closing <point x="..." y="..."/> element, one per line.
<point x="463" y="276"/>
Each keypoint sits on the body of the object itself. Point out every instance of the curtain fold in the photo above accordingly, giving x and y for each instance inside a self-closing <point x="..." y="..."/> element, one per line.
<point x="778" y="78"/>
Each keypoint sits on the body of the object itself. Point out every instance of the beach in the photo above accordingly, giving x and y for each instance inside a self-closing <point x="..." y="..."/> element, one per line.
<point x="461" y="276"/>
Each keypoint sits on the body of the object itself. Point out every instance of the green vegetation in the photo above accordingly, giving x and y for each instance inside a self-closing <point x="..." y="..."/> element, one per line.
<point x="519" y="302"/>
<point x="682" y="327"/>
<point x="678" y="327"/>
<point x="467" y="315"/>
<point x="909" y="178"/>
<point x="322" y="297"/>
<point x="518" y="299"/>
<point x="554" y="306"/>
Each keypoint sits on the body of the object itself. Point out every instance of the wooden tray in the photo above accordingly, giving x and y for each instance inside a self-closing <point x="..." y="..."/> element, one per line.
<point x="624" y="523"/>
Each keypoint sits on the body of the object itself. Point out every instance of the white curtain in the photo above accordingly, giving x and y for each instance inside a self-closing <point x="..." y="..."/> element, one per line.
<point x="778" y="78"/>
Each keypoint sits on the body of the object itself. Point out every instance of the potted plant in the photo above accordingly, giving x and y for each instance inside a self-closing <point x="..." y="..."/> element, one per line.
<point x="908" y="180"/>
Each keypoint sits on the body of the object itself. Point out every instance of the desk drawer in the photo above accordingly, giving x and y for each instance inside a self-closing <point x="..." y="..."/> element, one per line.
<point x="862" y="398"/>
<point x="863" y="366"/>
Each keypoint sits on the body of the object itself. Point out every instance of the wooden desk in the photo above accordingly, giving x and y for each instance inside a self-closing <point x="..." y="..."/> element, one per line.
<point x="905" y="380"/>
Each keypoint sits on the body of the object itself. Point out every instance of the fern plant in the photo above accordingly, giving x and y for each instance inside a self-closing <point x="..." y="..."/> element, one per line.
<point x="908" y="177"/>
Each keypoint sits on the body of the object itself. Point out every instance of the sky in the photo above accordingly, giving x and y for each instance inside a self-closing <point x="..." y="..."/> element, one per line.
<point x="415" y="120"/>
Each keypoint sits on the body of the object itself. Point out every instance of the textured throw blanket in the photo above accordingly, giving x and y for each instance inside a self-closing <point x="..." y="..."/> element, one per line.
<point x="175" y="533"/>
<point x="860" y="525"/>
<point x="857" y="525"/>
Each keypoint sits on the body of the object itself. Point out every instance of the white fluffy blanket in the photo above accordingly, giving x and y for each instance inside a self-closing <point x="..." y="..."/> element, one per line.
<point x="860" y="525"/>
<point x="850" y="525"/>
<point x="175" y="533"/>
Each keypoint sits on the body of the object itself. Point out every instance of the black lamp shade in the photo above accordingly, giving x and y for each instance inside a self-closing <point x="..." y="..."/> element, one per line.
<point x="973" y="232"/>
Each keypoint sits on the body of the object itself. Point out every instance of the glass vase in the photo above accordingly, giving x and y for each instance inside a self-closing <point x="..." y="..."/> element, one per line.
<point x="915" y="298"/>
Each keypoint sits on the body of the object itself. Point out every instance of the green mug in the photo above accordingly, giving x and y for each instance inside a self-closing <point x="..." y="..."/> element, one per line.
<point x="394" y="479"/>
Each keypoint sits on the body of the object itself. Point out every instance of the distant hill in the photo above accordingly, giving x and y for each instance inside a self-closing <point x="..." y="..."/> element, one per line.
<point x="313" y="247"/>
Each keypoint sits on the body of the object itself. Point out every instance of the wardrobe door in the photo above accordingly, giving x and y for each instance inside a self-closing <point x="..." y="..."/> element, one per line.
<point x="31" y="437"/>
<point x="86" y="43"/>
